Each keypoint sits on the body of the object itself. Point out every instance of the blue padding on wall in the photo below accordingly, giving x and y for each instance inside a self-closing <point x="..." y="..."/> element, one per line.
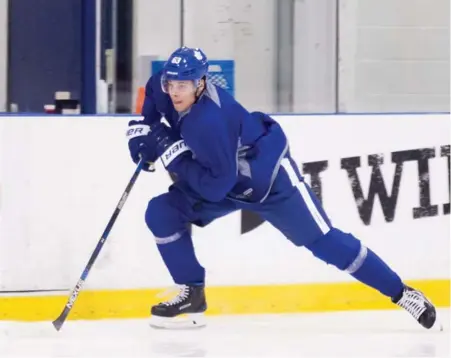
<point x="88" y="91"/>
<point x="44" y="54"/>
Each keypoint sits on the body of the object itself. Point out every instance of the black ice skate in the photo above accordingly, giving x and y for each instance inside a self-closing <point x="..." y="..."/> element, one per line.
<point x="416" y="303"/>
<point x="186" y="310"/>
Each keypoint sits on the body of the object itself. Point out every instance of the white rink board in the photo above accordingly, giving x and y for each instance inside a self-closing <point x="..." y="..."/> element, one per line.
<point x="61" y="177"/>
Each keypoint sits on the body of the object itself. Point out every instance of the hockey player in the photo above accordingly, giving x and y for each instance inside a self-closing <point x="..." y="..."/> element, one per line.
<point x="226" y="159"/>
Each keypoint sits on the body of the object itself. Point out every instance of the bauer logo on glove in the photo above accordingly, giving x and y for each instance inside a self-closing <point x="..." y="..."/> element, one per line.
<point x="137" y="130"/>
<point x="139" y="144"/>
<point x="173" y="151"/>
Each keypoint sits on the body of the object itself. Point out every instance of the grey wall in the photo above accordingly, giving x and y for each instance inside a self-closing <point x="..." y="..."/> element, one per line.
<point x="156" y="32"/>
<point x="314" y="70"/>
<point x="242" y="30"/>
<point x="394" y="55"/>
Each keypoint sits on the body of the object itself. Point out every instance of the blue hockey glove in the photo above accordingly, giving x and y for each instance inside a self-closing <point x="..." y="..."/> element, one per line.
<point x="140" y="145"/>
<point x="168" y="144"/>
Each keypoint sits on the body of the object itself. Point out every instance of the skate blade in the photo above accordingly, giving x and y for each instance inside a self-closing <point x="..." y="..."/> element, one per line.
<point x="186" y="321"/>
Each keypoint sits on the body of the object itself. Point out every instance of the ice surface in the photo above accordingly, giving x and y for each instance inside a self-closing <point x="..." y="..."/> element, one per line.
<point x="342" y="334"/>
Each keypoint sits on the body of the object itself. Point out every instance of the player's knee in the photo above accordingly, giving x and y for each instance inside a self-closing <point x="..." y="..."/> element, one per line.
<point x="339" y="249"/>
<point x="161" y="218"/>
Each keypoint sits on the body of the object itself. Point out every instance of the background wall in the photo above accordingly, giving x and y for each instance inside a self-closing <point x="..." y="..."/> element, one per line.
<point x="290" y="56"/>
<point x="225" y="29"/>
<point x="394" y="55"/>
<point x="314" y="63"/>
<point x="156" y="32"/>
<point x="243" y="31"/>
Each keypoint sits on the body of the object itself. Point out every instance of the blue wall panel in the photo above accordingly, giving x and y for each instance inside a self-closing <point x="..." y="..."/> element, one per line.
<point x="45" y="51"/>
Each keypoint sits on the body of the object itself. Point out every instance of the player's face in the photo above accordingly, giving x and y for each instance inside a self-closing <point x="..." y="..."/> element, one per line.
<point x="182" y="93"/>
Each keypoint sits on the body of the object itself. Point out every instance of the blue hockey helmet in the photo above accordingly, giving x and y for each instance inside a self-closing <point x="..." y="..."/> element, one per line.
<point x="185" y="64"/>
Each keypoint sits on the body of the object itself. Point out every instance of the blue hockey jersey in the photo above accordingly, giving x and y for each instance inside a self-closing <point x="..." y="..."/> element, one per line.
<point x="235" y="154"/>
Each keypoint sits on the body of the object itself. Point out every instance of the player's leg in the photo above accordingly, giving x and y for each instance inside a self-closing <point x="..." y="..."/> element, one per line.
<point x="168" y="216"/>
<point x="297" y="213"/>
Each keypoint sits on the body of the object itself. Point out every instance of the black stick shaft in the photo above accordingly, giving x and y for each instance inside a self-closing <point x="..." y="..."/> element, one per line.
<point x="58" y="323"/>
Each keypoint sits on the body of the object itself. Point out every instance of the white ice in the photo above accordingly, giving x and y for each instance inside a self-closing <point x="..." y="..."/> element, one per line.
<point x="343" y="334"/>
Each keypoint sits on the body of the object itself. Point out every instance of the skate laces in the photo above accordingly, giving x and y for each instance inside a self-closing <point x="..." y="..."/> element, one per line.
<point x="182" y="294"/>
<point x="413" y="302"/>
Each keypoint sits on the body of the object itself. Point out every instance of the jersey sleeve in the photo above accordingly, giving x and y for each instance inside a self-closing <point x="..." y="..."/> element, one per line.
<point x="149" y="110"/>
<point x="213" y="172"/>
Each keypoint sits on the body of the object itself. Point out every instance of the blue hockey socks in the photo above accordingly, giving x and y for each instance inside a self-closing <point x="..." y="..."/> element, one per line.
<point x="348" y="254"/>
<point x="377" y="274"/>
<point x="178" y="255"/>
<point x="164" y="219"/>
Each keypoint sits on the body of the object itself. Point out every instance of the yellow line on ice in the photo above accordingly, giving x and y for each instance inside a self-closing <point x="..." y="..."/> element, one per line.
<point x="311" y="297"/>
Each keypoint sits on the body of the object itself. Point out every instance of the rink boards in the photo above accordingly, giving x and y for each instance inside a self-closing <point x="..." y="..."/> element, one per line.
<point x="384" y="178"/>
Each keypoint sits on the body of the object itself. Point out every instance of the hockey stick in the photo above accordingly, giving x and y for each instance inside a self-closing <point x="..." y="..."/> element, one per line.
<point x="58" y="323"/>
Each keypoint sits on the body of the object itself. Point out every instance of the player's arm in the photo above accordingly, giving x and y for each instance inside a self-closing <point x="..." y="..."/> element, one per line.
<point x="149" y="110"/>
<point x="213" y="172"/>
